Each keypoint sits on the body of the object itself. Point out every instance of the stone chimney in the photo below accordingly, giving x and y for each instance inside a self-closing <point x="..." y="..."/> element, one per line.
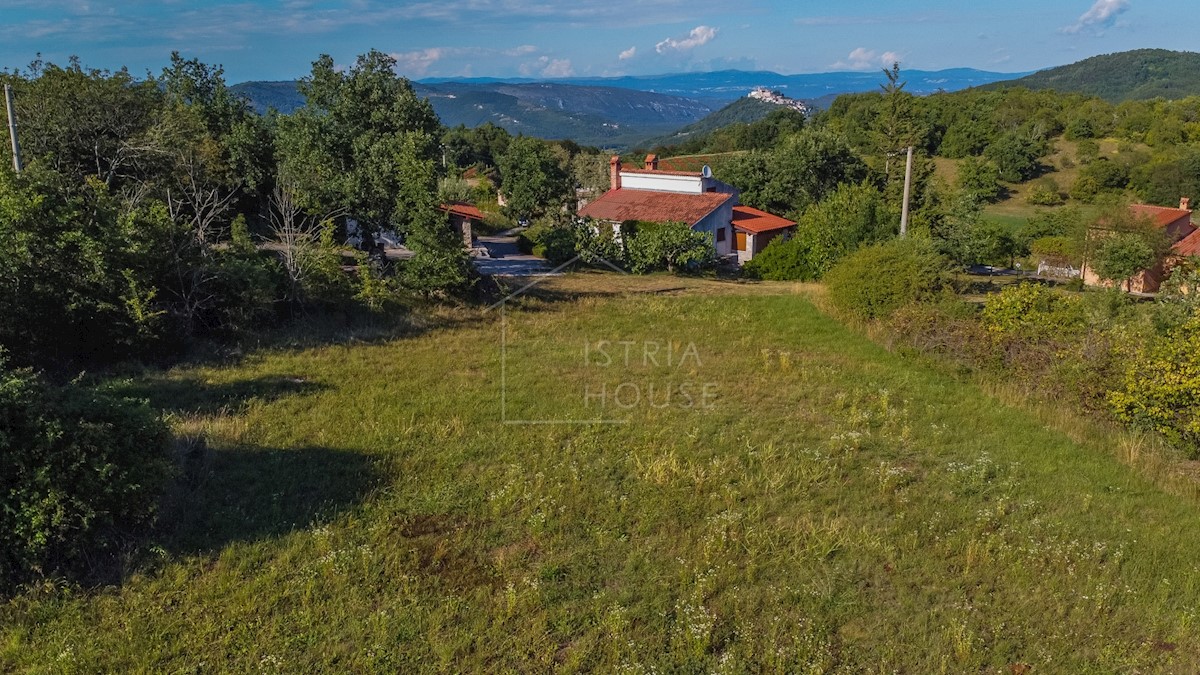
<point x="652" y="162"/>
<point x="614" y="173"/>
<point x="1184" y="202"/>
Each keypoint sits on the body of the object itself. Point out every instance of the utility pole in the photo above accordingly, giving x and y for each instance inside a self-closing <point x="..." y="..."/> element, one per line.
<point x="12" y="127"/>
<point x="907" y="191"/>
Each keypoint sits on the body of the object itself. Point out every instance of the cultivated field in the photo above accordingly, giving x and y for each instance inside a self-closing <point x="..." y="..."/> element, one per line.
<point x="813" y="503"/>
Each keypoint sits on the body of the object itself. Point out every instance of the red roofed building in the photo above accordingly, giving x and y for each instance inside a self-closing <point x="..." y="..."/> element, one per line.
<point x="463" y="218"/>
<point x="754" y="229"/>
<point x="694" y="198"/>
<point x="1184" y="238"/>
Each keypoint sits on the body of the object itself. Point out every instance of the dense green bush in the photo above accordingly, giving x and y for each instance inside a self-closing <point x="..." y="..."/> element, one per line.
<point x="877" y="280"/>
<point x="852" y="216"/>
<point x="1160" y="388"/>
<point x="1031" y="310"/>
<point x="557" y="246"/>
<point x="1058" y="250"/>
<point x="782" y="260"/>
<point x="670" y="246"/>
<point x="77" y="470"/>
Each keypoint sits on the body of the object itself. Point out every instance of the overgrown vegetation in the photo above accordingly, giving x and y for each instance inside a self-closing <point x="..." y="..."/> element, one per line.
<point x="837" y="507"/>
<point x="79" y="472"/>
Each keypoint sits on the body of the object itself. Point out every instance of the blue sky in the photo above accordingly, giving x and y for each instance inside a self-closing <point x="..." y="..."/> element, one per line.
<point x="278" y="39"/>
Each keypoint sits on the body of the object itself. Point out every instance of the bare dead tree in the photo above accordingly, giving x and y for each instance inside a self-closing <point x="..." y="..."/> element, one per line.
<point x="296" y="234"/>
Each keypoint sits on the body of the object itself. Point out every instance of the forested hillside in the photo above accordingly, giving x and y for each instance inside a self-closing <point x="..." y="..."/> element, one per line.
<point x="591" y="115"/>
<point x="1135" y="75"/>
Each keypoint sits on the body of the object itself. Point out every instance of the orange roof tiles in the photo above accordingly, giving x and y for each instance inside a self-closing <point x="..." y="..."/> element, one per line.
<point x="1189" y="245"/>
<point x="1162" y="216"/>
<point x="752" y="220"/>
<point x="462" y="209"/>
<point x="658" y="207"/>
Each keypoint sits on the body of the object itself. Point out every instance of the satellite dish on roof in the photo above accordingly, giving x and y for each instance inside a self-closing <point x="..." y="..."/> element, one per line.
<point x="706" y="172"/>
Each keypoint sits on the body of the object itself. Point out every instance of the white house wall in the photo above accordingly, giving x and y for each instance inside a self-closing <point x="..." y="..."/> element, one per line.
<point x="692" y="185"/>
<point x="721" y="217"/>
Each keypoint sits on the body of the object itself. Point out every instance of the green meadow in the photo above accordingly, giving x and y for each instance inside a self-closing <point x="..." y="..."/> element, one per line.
<point x="635" y="475"/>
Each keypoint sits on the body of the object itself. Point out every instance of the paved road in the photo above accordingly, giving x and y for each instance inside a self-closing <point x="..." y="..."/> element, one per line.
<point x="505" y="259"/>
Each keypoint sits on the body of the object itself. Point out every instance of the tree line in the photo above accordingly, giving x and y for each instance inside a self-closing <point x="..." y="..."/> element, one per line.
<point x="159" y="210"/>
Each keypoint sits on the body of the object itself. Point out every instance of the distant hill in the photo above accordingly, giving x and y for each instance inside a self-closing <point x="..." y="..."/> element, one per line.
<point x="727" y="85"/>
<point x="619" y="111"/>
<point x="742" y="111"/>
<point x="605" y="116"/>
<point x="1135" y="75"/>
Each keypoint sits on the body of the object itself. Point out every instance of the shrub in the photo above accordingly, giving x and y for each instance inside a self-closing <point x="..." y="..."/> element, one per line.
<point x="597" y="243"/>
<point x="1045" y="193"/>
<point x="782" y="260"/>
<point x="877" y="280"/>
<point x="1030" y="310"/>
<point x="670" y="246"/>
<point x="556" y="245"/>
<point x="77" y="468"/>
<point x="1160" y="389"/>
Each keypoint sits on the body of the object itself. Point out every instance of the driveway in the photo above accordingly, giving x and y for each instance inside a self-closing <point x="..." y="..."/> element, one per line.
<point x="505" y="259"/>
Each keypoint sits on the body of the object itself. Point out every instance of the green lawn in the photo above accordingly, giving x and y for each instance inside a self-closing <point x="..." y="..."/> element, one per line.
<point x="820" y="505"/>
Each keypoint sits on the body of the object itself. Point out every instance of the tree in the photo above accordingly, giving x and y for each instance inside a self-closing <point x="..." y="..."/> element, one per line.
<point x="533" y="180"/>
<point x="1016" y="156"/>
<point x="980" y="179"/>
<point x="851" y="217"/>
<point x="589" y="171"/>
<point x="896" y="127"/>
<point x="805" y="168"/>
<point x="1121" y="255"/>
<point x="670" y="246"/>
<point x="85" y="122"/>
<point x="346" y="150"/>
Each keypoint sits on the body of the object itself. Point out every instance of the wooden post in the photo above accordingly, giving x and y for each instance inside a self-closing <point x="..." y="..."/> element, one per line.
<point x="907" y="192"/>
<point x="12" y="127"/>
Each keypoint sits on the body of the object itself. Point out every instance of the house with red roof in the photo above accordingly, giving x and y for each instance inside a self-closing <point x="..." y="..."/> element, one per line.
<point x="694" y="198"/>
<point x="463" y="218"/>
<point x="1176" y="224"/>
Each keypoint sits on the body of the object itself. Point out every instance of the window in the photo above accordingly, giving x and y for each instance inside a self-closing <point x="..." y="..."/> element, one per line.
<point x="720" y="234"/>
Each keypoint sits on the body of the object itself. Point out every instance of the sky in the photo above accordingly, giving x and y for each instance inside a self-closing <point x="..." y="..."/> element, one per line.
<point x="279" y="39"/>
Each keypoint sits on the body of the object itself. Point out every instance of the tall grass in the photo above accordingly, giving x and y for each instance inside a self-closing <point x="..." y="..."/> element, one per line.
<point x="837" y="508"/>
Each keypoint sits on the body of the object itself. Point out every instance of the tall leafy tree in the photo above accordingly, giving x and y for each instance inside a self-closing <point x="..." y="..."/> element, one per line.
<point x="348" y="147"/>
<point x="85" y="122"/>
<point x="533" y="179"/>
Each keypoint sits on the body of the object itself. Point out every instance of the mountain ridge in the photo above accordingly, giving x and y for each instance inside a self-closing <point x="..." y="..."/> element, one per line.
<point x="617" y="111"/>
<point x="1137" y="74"/>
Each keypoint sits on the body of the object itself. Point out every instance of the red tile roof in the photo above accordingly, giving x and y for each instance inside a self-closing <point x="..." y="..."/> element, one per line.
<point x="752" y="220"/>
<point x="464" y="210"/>
<point x="1189" y="245"/>
<point x="1161" y="216"/>
<point x="657" y="207"/>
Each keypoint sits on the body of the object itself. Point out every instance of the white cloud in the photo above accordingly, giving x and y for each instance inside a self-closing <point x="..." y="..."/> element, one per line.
<point x="417" y="62"/>
<point x="627" y="54"/>
<point x="866" y="59"/>
<point x="547" y="67"/>
<point x="520" y="51"/>
<point x="699" y="35"/>
<point x="558" y="68"/>
<point x="1102" y="14"/>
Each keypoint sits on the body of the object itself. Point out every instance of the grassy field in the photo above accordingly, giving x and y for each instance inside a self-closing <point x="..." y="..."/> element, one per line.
<point x="814" y="504"/>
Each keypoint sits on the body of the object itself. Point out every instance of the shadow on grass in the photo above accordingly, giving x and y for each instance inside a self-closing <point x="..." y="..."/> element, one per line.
<point x="249" y="494"/>
<point x="195" y="395"/>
